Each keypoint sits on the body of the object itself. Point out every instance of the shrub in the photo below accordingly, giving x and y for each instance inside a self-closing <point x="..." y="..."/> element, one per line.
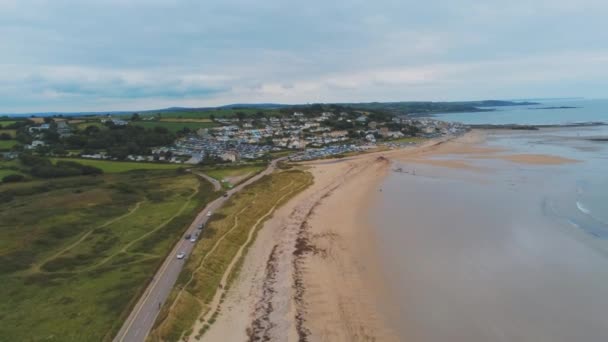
<point x="12" y="178"/>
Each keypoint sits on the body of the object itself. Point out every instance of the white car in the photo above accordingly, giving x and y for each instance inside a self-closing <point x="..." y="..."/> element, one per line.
<point x="209" y="214"/>
<point x="181" y="255"/>
<point x="193" y="239"/>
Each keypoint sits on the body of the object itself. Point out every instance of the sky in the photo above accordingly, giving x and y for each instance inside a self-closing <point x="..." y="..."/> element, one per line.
<point x="103" y="55"/>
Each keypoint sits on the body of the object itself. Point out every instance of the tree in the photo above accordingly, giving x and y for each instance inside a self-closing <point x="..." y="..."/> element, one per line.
<point x="135" y="117"/>
<point x="212" y="117"/>
<point x="91" y="129"/>
<point x="260" y="115"/>
<point x="5" y="136"/>
<point x="241" y="115"/>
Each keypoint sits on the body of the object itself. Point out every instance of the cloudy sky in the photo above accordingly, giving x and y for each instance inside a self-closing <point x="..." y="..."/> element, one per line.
<point x="58" y="55"/>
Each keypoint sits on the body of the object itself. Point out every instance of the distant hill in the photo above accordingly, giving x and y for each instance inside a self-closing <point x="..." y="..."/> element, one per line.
<point x="402" y="107"/>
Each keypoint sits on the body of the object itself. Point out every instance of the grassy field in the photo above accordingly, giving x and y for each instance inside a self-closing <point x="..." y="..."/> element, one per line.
<point x="109" y="166"/>
<point x="218" y="113"/>
<point x="173" y="126"/>
<point x="7" y="144"/>
<point x="75" y="253"/>
<point x="186" y="120"/>
<point x="5" y="123"/>
<point x="231" y="176"/>
<point x="11" y="132"/>
<point x="6" y="172"/>
<point x="223" y="238"/>
<point x="84" y="125"/>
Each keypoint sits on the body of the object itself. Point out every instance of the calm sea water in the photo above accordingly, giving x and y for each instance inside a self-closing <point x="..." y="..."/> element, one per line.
<point x="515" y="253"/>
<point x="585" y="111"/>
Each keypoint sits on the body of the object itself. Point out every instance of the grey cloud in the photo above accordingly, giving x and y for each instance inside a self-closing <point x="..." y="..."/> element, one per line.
<point x="272" y="42"/>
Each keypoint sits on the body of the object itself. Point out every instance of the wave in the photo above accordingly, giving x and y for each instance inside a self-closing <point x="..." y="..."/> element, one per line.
<point x="582" y="208"/>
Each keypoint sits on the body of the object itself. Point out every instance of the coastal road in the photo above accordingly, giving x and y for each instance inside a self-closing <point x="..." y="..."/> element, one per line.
<point x="144" y="313"/>
<point x="217" y="186"/>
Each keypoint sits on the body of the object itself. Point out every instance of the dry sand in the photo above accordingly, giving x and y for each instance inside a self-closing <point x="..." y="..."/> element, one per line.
<point x="312" y="273"/>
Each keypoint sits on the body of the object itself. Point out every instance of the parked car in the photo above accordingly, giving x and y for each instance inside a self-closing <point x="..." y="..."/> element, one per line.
<point x="193" y="239"/>
<point x="187" y="237"/>
<point x="200" y="226"/>
<point x="181" y="255"/>
<point x="209" y="214"/>
<point x="225" y="194"/>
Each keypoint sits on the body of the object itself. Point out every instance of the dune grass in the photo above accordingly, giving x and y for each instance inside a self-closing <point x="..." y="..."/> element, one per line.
<point x="75" y="253"/>
<point x="221" y="240"/>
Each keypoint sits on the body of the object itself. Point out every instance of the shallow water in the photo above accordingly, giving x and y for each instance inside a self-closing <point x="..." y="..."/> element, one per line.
<point x="518" y="253"/>
<point x="583" y="111"/>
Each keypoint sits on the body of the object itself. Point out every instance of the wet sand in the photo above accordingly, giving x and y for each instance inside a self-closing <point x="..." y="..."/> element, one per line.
<point x="319" y="269"/>
<point x="476" y="254"/>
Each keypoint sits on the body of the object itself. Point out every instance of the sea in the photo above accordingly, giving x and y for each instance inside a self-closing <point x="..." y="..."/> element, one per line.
<point x="503" y="251"/>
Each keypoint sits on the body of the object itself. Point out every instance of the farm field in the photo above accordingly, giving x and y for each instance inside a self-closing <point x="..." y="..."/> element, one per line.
<point x="5" y="123"/>
<point x="84" y="125"/>
<point x="7" y="144"/>
<point x="11" y="132"/>
<point x="216" y="258"/>
<point x="185" y="120"/>
<point x="76" y="252"/>
<point x="174" y="126"/>
<point x="218" y="113"/>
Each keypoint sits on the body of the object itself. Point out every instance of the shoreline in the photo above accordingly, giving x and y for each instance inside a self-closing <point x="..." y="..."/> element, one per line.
<point x="314" y="272"/>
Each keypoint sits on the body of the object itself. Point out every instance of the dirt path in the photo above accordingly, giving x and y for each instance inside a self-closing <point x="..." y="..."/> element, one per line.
<point x="36" y="267"/>
<point x="202" y="263"/>
<point x="125" y="248"/>
<point x="216" y="301"/>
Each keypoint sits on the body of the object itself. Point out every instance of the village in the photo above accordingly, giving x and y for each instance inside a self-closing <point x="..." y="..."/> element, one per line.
<point x="233" y="139"/>
<point x="307" y="137"/>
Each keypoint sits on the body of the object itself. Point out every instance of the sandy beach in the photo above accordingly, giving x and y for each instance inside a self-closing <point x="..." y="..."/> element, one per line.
<point x="313" y="273"/>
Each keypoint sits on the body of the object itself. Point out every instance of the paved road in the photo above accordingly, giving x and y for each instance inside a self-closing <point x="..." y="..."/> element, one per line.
<point x="217" y="186"/>
<point x="140" y="321"/>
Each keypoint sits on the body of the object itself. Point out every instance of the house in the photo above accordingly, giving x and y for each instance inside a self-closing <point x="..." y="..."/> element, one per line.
<point x="63" y="129"/>
<point x="42" y="127"/>
<point x="35" y="144"/>
<point x="297" y="144"/>
<point x="361" y="119"/>
<point x="203" y="132"/>
<point x="231" y="156"/>
<point x="311" y="124"/>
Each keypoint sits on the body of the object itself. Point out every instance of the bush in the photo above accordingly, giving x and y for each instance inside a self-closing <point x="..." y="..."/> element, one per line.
<point x="12" y="178"/>
<point x="43" y="168"/>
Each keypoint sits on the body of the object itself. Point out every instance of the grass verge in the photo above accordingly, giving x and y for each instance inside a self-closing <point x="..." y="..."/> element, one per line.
<point x="217" y="253"/>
